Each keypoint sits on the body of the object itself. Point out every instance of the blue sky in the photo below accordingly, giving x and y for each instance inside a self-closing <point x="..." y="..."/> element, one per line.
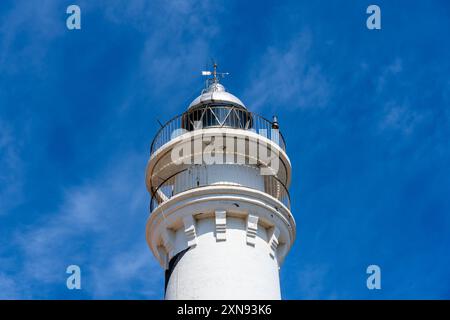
<point x="365" y="115"/>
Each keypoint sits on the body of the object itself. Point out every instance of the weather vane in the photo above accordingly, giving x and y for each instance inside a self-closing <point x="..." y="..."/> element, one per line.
<point x="215" y="75"/>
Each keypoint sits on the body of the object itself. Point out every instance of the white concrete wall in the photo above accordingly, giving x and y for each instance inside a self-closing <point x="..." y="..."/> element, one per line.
<point x="224" y="269"/>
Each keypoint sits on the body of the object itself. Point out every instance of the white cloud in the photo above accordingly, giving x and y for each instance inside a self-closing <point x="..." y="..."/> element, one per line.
<point x="287" y="78"/>
<point x="401" y="117"/>
<point x="388" y="72"/>
<point x="177" y="40"/>
<point x="398" y="113"/>
<point x="100" y="226"/>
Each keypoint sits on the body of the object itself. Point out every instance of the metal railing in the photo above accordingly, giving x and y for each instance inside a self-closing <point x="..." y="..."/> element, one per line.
<point x="216" y="116"/>
<point x="183" y="181"/>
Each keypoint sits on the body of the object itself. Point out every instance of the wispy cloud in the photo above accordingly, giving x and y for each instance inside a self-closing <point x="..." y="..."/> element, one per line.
<point x="177" y="38"/>
<point x="401" y="118"/>
<point x="287" y="77"/>
<point x="399" y="111"/>
<point x="99" y="226"/>
<point x="388" y="72"/>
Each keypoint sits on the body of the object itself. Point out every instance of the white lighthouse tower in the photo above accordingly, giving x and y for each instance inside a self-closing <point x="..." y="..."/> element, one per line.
<point x="220" y="222"/>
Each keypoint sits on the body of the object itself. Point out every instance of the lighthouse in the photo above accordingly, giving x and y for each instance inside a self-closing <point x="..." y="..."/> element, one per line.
<point x="220" y="222"/>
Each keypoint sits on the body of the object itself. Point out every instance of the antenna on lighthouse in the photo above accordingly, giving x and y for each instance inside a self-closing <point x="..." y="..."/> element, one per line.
<point x="215" y="75"/>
